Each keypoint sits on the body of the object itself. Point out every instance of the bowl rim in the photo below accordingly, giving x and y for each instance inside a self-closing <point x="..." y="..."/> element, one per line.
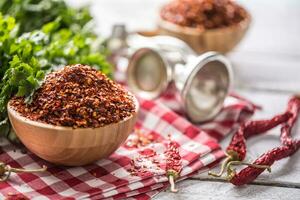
<point x="131" y="82"/>
<point x="164" y="24"/>
<point x="44" y="125"/>
<point x="201" y="62"/>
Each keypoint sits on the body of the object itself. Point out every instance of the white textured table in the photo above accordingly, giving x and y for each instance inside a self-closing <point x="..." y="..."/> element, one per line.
<point x="267" y="68"/>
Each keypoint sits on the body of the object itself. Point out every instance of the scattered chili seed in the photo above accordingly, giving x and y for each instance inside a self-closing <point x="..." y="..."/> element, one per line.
<point x="203" y="14"/>
<point x="140" y="139"/>
<point x="168" y="163"/>
<point x="145" y="165"/>
<point x="77" y="96"/>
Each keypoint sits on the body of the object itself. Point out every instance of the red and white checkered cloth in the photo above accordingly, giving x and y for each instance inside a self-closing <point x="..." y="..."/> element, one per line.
<point x="109" y="178"/>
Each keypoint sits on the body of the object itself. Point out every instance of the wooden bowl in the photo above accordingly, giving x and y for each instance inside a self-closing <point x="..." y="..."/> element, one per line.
<point x="222" y="40"/>
<point x="69" y="146"/>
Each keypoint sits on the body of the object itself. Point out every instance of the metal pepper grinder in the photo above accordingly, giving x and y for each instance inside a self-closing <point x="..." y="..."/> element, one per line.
<point x="203" y="81"/>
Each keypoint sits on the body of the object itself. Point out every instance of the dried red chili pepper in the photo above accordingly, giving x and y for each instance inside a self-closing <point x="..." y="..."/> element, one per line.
<point x="173" y="164"/>
<point x="149" y="161"/>
<point x="249" y="174"/>
<point x="236" y="151"/>
<point x="294" y="109"/>
<point x="288" y="148"/>
<point x="6" y="170"/>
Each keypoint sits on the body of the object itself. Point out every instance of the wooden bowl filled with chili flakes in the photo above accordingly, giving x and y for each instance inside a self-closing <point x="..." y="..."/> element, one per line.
<point x="206" y="25"/>
<point x="76" y="117"/>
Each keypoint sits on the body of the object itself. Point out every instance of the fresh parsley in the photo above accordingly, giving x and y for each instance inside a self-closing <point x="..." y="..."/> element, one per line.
<point x="36" y="40"/>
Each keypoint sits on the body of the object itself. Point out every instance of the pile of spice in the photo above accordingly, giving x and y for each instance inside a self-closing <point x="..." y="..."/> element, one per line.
<point x="77" y="96"/>
<point x="203" y="14"/>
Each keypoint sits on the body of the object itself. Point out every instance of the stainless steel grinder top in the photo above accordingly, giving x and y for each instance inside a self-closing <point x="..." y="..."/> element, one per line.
<point x="148" y="74"/>
<point x="202" y="81"/>
<point x="205" y="85"/>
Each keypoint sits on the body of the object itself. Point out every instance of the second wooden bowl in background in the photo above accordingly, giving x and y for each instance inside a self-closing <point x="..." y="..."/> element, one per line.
<point x="222" y="40"/>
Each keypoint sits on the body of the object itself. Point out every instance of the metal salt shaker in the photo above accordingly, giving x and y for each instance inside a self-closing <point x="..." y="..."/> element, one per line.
<point x="157" y="62"/>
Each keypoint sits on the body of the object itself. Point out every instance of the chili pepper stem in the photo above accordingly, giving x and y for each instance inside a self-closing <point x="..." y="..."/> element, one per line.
<point x="223" y="167"/>
<point x="6" y="170"/>
<point x="18" y="170"/>
<point x="250" y="164"/>
<point x="3" y="176"/>
<point x="231" y="172"/>
<point x="172" y="183"/>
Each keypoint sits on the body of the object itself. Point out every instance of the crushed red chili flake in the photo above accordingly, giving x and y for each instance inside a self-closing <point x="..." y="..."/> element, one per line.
<point x="140" y="139"/>
<point x="77" y="96"/>
<point x="148" y="152"/>
<point x="19" y="196"/>
<point x="203" y="14"/>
